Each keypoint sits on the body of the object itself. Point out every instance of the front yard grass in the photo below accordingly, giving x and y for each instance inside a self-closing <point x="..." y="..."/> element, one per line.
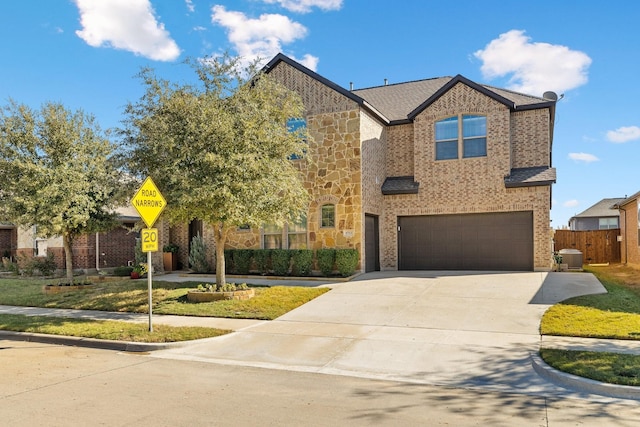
<point x="168" y="298"/>
<point x="615" y="315"/>
<point x="107" y="330"/>
<point x="132" y="296"/>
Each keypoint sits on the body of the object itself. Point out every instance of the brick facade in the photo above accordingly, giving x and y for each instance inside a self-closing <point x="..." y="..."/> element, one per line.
<point x="630" y="230"/>
<point x="353" y="149"/>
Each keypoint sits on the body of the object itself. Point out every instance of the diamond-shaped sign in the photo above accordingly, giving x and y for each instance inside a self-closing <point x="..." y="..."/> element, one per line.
<point x="149" y="202"/>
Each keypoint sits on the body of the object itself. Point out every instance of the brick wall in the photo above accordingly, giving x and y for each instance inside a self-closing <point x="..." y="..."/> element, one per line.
<point x="630" y="248"/>
<point x="530" y="141"/>
<point x="466" y="185"/>
<point x="399" y="156"/>
<point x="8" y="241"/>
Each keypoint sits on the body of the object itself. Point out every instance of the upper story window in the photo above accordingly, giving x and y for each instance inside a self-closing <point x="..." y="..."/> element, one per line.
<point x="463" y="133"/>
<point x="297" y="125"/>
<point x="328" y="216"/>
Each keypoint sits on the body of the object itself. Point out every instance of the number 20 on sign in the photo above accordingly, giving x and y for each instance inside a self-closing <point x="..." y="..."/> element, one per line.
<point x="149" y="238"/>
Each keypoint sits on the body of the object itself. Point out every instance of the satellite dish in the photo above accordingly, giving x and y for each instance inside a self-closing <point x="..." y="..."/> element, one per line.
<point x="551" y="96"/>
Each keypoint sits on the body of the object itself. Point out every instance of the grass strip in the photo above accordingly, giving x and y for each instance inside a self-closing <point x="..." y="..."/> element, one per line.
<point x="613" y="368"/>
<point x="107" y="330"/>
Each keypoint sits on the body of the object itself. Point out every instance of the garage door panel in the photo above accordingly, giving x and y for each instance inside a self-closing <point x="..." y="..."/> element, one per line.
<point x="491" y="241"/>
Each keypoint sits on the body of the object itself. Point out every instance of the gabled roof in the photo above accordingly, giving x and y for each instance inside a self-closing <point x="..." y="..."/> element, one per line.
<point x="402" y="102"/>
<point x="530" y="177"/>
<point x="604" y="208"/>
<point x="627" y="200"/>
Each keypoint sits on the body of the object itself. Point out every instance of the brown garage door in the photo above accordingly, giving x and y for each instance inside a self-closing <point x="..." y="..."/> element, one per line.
<point x="491" y="241"/>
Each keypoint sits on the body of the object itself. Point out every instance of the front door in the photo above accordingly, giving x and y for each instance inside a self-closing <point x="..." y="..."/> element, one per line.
<point x="371" y="243"/>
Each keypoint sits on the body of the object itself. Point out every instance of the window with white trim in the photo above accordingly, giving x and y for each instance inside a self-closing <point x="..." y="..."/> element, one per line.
<point x="607" y="223"/>
<point x="290" y="236"/>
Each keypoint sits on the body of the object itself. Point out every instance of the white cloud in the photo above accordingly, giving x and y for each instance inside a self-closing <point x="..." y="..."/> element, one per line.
<point x="583" y="157"/>
<point x="261" y="38"/>
<point x="128" y="25"/>
<point x="304" y="6"/>
<point x="571" y="203"/>
<point x="624" y="134"/>
<point x="190" y="6"/>
<point x="533" y="67"/>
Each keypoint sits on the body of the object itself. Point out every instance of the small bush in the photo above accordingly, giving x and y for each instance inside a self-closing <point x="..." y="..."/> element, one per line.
<point x="228" y="261"/>
<point x="261" y="257"/>
<point x="302" y="262"/>
<point x="46" y="266"/>
<point x="242" y="261"/>
<point x="326" y="258"/>
<point x="122" y="271"/>
<point x="198" y="255"/>
<point x="280" y="259"/>
<point x="347" y="261"/>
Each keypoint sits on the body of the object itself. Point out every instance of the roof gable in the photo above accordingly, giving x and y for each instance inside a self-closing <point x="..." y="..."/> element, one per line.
<point x="604" y="208"/>
<point x="402" y="102"/>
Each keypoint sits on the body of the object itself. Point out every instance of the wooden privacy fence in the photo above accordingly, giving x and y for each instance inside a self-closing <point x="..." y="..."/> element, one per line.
<point x="597" y="246"/>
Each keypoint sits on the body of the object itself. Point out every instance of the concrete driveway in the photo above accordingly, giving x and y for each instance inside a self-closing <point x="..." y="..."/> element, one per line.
<point x="459" y="329"/>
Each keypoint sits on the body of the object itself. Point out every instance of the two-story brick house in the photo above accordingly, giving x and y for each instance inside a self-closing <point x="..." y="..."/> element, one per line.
<point x="440" y="173"/>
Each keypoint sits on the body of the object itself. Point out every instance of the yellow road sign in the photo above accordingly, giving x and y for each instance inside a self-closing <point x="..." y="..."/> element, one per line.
<point x="149" y="238"/>
<point x="149" y="202"/>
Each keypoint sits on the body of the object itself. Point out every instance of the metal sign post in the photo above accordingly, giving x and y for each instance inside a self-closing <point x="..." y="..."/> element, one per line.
<point x="149" y="203"/>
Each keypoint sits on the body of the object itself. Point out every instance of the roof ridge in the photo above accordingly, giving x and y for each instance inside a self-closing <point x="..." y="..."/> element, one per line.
<point x="403" y="83"/>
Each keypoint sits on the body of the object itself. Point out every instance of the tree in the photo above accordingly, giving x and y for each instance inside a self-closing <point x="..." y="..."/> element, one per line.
<point x="219" y="149"/>
<point x="58" y="173"/>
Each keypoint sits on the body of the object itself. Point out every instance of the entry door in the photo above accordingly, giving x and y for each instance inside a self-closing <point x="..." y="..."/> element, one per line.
<point x="371" y="243"/>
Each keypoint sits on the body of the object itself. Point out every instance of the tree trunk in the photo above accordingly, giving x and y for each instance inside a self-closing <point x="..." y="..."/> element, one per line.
<point x="68" y="255"/>
<point x="220" y="238"/>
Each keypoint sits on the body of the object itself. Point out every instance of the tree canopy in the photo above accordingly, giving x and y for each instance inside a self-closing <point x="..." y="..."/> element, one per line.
<point x="219" y="149"/>
<point x="58" y="173"/>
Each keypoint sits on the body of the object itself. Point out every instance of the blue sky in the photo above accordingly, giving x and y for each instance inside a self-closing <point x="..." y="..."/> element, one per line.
<point x="85" y="54"/>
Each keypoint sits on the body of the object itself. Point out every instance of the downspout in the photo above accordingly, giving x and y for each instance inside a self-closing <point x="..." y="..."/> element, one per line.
<point x="97" y="251"/>
<point x="624" y="237"/>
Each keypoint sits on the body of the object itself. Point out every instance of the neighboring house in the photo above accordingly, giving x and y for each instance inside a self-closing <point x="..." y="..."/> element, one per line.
<point x="8" y="240"/>
<point x="630" y="229"/>
<point x="92" y="251"/>
<point x="604" y="215"/>
<point x="441" y="173"/>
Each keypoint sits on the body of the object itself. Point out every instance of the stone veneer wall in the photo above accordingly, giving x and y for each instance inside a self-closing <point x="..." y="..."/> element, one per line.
<point x="466" y="185"/>
<point x="332" y="170"/>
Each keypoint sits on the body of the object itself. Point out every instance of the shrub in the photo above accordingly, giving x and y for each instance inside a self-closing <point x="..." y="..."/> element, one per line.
<point x="347" y="261"/>
<point x="261" y="257"/>
<point x="326" y="259"/>
<point x="228" y="261"/>
<point x="137" y="252"/>
<point x="280" y="259"/>
<point x="242" y="261"/>
<point x="46" y="266"/>
<point x="122" y="271"/>
<point x="302" y="262"/>
<point x="198" y="255"/>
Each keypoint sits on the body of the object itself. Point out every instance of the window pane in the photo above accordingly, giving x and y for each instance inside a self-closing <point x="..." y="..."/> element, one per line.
<point x="447" y="150"/>
<point x="474" y="126"/>
<point x="272" y="241"/>
<point x="298" y="241"/>
<point x="476" y="147"/>
<point x="272" y="229"/>
<point x="328" y="215"/>
<point x="447" y="129"/>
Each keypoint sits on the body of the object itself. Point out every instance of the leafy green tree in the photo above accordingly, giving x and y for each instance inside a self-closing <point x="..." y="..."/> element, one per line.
<point x="219" y="149"/>
<point x="57" y="173"/>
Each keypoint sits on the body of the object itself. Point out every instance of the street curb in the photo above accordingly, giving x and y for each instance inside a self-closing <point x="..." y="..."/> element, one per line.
<point x="586" y="385"/>
<point x="128" y="346"/>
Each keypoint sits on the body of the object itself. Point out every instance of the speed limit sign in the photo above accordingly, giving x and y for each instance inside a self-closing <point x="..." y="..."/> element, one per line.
<point x="149" y="238"/>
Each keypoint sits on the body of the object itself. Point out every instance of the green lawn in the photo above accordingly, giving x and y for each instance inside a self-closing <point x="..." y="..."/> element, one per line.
<point x="613" y="315"/>
<point x="132" y="296"/>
